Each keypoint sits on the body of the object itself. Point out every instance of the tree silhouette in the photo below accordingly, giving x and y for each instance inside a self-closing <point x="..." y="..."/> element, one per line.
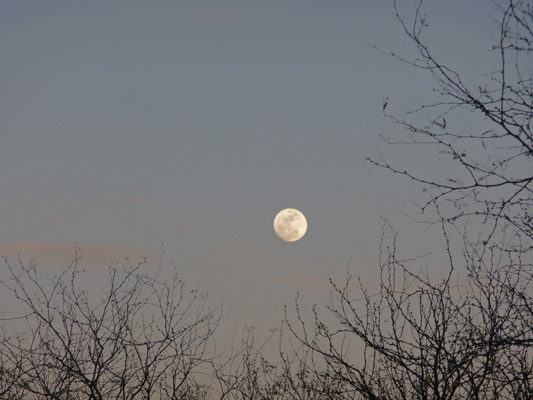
<point x="139" y="337"/>
<point x="490" y="175"/>
<point x="469" y="334"/>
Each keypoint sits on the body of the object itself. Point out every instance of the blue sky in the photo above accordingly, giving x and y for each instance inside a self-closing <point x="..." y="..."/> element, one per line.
<point x="124" y="125"/>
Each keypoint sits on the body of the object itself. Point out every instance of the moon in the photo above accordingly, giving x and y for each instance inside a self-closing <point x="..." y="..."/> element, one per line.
<point x="290" y="225"/>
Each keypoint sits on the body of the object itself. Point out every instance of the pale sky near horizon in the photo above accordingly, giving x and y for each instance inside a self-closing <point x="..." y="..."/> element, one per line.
<point x="124" y="125"/>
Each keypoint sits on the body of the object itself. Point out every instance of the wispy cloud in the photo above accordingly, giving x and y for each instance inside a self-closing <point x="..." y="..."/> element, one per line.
<point x="214" y="14"/>
<point x="63" y="253"/>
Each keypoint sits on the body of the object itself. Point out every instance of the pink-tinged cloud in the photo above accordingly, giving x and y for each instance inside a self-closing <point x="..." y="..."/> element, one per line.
<point x="214" y="14"/>
<point x="63" y="253"/>
<point x="322" y="283"/>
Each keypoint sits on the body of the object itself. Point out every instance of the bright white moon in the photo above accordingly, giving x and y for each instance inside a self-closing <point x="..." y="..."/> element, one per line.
<point x="290" y="225"/>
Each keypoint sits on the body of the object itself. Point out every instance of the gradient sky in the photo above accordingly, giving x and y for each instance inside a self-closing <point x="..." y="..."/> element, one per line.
<point x="124" y="125"/>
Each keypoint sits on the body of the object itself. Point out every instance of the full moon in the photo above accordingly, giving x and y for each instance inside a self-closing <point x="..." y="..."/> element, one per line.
<point x="290" y="225"/>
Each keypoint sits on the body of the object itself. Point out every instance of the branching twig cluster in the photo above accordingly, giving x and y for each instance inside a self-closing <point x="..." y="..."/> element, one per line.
<point x="142" y="338"/>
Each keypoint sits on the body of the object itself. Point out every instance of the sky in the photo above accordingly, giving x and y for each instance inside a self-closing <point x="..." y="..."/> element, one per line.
<point x="127" y="126"/>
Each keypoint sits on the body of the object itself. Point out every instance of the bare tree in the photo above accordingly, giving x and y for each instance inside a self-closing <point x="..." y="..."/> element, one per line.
<point x="246" y="372"/>
<point x="493" y="180"/>
<point x="469" y="334"/>
<point x="291" y="374"/>
<point x="449" y="339"/>
<point x="139" y="336"/>
<point x="9" y="375"/>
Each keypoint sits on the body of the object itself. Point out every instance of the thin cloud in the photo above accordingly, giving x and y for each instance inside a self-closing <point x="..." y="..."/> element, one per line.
<point x="62" y="252"/>
<point x="214" y="14"/>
